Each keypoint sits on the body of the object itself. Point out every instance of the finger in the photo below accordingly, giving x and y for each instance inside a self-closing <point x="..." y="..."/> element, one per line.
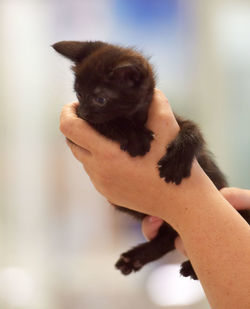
<point x="79" y="153"/>
<point x="238" y="198"/>
<point x="79" y="131"/>
<point x="162" y="122"/>
<point x="179" y="245"/>
<point x="150" y="226"/>
<point x="160" y="113"/>
<point x="84" y="157"/>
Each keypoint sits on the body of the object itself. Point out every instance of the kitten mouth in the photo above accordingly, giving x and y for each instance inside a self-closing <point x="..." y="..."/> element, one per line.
<point x="93" y="118"/>
<point x="81" y="114"/>
<point x="84" y="117"/>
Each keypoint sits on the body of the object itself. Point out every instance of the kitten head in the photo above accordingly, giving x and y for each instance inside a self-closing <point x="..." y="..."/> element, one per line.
<point x="110" y="82"/>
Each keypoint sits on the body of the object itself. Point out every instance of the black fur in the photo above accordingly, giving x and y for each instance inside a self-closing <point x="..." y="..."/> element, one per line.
<point x="115" y="86"/>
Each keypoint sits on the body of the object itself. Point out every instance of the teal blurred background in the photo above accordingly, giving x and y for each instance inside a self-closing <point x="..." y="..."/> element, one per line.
<point x="59" y="239"/>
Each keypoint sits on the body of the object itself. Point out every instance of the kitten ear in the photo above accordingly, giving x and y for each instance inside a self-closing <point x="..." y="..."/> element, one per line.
<point x="75" y="50"/>
<point x="127" y="74"/>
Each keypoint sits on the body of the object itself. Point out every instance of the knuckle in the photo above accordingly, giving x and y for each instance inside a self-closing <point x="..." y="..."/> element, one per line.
<point x="75" y="151"/>
<point x="160" y="95"/>
<point x="158" y="92"/>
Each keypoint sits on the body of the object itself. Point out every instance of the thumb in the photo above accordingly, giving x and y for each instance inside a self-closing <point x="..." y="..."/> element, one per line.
<point x="150" y="226"/>
<point x="238" y="198"/>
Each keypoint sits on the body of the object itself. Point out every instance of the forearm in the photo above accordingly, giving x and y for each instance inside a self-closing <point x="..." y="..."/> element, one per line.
<point x="216" y="239"/>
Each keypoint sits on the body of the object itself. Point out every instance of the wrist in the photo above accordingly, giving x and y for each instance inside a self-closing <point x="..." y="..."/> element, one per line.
<point x="187" y="199"/>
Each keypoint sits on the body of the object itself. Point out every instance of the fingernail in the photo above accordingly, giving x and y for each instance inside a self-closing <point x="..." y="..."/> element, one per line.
<point x="154" y="219"/>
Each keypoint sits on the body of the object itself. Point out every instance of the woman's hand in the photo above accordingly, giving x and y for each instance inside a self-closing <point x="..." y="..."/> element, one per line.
<point x="211" y="230"/>
<point x="130" y="182"/>
<point x="238" y="198"/>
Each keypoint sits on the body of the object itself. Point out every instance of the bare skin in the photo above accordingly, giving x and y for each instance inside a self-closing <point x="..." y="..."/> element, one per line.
<point x="215" y="236"/>
<point x="238" y="198"/>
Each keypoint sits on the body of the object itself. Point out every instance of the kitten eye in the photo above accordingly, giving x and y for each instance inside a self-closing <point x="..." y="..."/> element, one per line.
<point x="100" y="100"/>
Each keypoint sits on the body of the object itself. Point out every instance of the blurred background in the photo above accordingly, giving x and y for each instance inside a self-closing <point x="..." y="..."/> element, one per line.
<point x="59" y="239"/>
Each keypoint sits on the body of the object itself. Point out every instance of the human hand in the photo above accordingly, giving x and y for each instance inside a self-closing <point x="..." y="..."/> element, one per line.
<point x="130" y="182"/>
<point x="238" y="198"/>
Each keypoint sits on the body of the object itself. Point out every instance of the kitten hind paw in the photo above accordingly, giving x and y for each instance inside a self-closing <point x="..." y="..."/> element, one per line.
<point x="187" y="270"/>
<point x="126" y="264"/>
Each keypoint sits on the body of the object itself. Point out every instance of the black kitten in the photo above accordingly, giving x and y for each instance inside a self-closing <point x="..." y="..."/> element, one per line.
<point x="115" y="86"/>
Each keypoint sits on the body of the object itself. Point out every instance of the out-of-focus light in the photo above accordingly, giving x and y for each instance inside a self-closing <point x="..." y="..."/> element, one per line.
<point x="16" y="287"/>
<point x="166" y="287"/>
<point x="231" y="27"/>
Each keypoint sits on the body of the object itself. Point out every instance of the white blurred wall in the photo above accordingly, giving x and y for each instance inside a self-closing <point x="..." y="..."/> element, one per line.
<point x="59" y="238"/>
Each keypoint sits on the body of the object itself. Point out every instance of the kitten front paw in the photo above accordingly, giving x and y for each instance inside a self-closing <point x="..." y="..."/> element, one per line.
<point x="175" y="166"/>
<point x="138" y="142"/>
<point x="126" y="264"/>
